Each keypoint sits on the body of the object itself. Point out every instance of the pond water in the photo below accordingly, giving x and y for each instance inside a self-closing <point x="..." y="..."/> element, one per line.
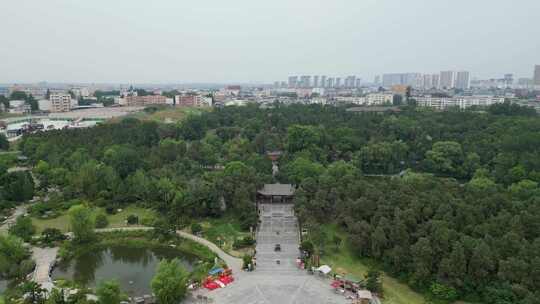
<point x="132" y="267"/>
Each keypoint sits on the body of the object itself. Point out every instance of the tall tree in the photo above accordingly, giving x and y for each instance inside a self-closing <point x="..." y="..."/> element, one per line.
<point x="23" y="228"/>
<point x="82" y="223"/>
<point x="169" y="283"/>
<point x="4" y="143"/>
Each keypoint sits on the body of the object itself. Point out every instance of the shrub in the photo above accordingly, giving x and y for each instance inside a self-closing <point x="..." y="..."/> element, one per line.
<point x="147" y="221"/>
<point x="196" y="228"/>
<point x="307" y="246"/>
<point x="101" y="220"/>
<point x="110" y="210"/>
<point x="245" y="242"/>
<point x="50" y="235"/>
<point x="23" y="228"/>
<point x="132" y="219"/>
<point x="443" y="292"/>
<point x="246" y="259"/>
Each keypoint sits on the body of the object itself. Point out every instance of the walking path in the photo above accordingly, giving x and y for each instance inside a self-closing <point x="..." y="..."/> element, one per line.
<point x="19" y="210"/>
<point x="234" y="263"/>
<point x="45" y="259"/>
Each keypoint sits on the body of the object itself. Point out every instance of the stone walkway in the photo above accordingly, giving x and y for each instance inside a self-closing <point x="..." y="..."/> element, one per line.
<point x="273" y="283"/>
<point x="45" y="259"/>
<point x="19" y="210"/>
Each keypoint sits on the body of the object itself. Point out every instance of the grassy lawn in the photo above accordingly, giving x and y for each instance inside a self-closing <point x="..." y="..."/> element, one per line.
<point x="115" y="220"/>
<point x="343" y="260"/>
<point x="223" y="232"/>
<point x="61" y="222"/>
<point x="168" y="114"/>
<point x="119" y="219"/>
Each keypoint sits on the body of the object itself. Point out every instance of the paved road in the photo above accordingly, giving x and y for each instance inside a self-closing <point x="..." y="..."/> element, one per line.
<point x="18" y="169"/>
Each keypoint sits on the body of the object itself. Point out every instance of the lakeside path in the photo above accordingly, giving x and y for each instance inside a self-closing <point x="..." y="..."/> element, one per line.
<point x="234" y="263"/>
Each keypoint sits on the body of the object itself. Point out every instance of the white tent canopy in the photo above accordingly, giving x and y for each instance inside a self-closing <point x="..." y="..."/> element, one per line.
<point x="365" y="294"/>
<point x="324" y="269"/>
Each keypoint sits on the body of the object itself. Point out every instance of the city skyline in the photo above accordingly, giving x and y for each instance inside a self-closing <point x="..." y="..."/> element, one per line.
<point x="241" y="41"/>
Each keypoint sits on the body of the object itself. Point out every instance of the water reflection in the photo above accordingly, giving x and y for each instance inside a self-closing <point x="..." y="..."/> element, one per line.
<point x="132" y="267"/>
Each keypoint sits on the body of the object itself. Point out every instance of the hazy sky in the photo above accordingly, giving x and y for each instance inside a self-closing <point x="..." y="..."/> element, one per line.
<point x="262" y="40"/>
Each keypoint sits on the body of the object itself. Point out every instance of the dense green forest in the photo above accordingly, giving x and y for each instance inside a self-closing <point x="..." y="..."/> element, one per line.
<point x="445" y="200"/>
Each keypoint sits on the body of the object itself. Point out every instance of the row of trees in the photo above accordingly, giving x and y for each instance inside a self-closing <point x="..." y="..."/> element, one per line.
<point x="20" y="95"/>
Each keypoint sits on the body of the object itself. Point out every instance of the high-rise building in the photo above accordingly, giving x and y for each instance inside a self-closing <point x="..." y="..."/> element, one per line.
<point x="389" y="80"/>
<point x="463" y="80"/>
<point x="305" y="81"/>
<point x="446" y="80"/>
<point x="349" y="81"/>
<point x="436" y="81"/>
<point x="338" y="82"/>
<point x="536" y="78"/>
<point x="358" y="83"/>
<point x="293" y="82"/>
<point x="330" y="82"/>
<point x="323" y="81"/>
<point x="406" y="79"/>
<point x="377" y="80"/>
<point x="525" y="83"/>
<point x="60" y="102"/>
<point x="509" y="80"/>
<point x="316" y="81"/>
<point x="427" y="82"/>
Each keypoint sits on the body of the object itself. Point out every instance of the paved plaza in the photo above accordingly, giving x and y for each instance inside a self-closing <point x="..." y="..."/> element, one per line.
<point x="273" y="283"/>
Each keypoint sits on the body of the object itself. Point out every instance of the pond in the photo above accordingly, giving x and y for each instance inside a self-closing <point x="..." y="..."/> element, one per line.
<point x="132" y="267"/>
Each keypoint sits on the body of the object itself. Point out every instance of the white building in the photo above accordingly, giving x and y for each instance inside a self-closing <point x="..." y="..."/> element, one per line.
<point x="436" y="80"/>
<point x="536" y="76"/>
<point x="318" y="100"/>
<point x="446" y="80"/>
<point x="60" y="102"/>
<point x="379" y="99"/>
<point x="462" y="102"/>
<point x="16" y="103"/>
<point x="373" y="99"/>
<point x="428" y="81"/>
<point x="44" y="105"/>
<point x="463" y="80"/>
